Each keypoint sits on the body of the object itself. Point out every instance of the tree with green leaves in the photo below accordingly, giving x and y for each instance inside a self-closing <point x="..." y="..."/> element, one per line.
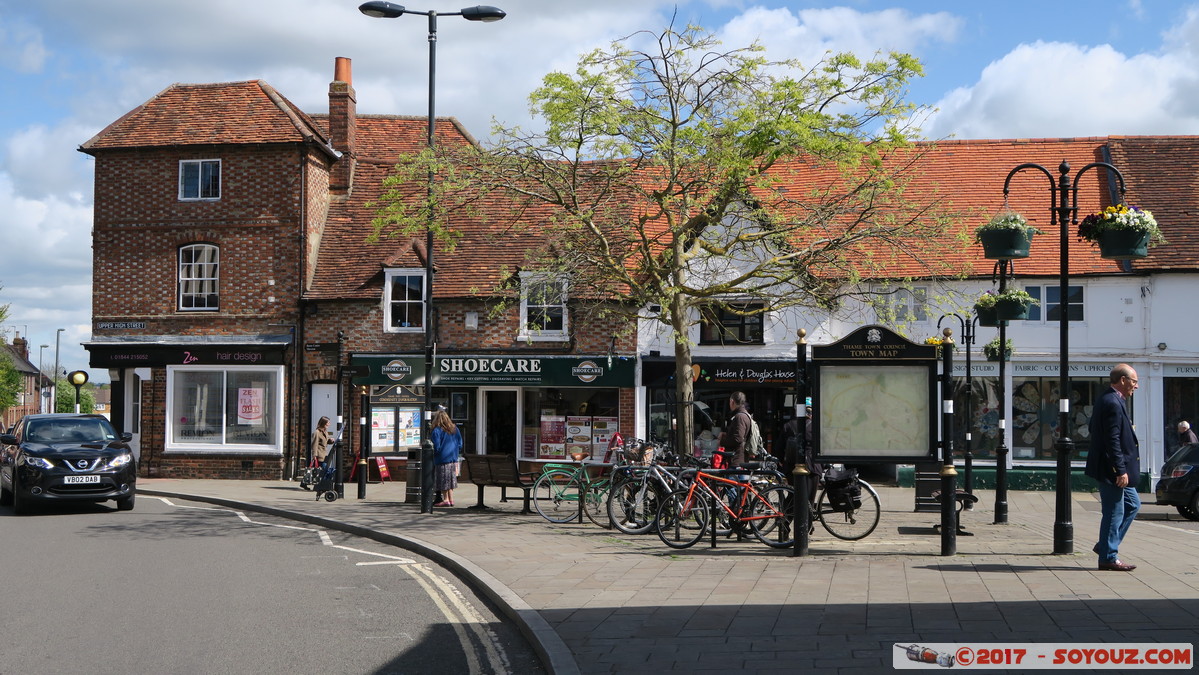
<point x="65" y="398"/>
<point x="12" y="383"/>
<point x="675" y="180"/>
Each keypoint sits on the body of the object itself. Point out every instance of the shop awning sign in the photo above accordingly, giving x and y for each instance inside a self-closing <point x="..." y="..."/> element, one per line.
<point x="493" y="370"/>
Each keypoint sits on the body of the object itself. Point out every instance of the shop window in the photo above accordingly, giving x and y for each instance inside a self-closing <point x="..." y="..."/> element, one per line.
<point x="893" y="306"/>
<point x="984" y="416"/>
<point x="1181" y="402"/>
<point x="731" y="325"/>
<point x="235" y="409"/>
<point x="559" y="421"/>
<point x="1035" y="416"/>
<point x="404" y="301"/>
<point x="543" y="311"/>
<point x="199" y="277"/>
<point x="199" y="179"/>
<point x="1049" y="298"/>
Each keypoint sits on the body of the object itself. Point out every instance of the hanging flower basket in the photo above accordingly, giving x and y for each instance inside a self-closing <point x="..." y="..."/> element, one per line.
<point x="1010" y="305"/>
<point x="991" y="350"/>
<point x="986" y="316"/>
<point x="1007" y="235"/>
<point x="1012" y="309"/>
<point x="1123" y="244"/>
<point x="1122" y="232"/>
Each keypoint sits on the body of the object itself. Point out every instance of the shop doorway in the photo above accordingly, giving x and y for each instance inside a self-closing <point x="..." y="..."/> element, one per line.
<point x="499" y="414"/>
<point x="132" y="421"/>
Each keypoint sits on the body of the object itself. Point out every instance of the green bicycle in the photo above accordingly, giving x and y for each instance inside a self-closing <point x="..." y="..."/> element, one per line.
<point x="557" y="490"/>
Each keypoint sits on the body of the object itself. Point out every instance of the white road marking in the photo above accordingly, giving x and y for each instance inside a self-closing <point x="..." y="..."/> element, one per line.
<point x="457" y="610"/>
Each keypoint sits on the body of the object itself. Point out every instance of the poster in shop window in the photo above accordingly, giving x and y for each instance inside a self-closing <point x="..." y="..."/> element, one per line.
<point x="553" y="437"/>
<point x="578" y="435"/>
<point x="602" y="429"/>
<point x="249" y="406"/>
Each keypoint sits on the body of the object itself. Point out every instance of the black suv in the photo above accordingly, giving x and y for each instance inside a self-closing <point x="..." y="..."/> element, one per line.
<point x="1179" y="484"/>
<point x="65" y="457"/>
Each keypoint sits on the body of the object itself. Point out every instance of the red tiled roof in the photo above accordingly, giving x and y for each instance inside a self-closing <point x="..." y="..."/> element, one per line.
<point x="968" y="176"/>
<point x="1161" y="174"/>
<point x="227" y="113"/>
<point x="349" y="267"/>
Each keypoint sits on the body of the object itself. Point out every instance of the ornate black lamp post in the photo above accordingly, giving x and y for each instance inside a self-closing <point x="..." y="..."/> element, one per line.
<point x="390" y="10"/>
<point x="1063" y="209"/>
<point x="968" y="324"/>
<point x="1003" y="269"/>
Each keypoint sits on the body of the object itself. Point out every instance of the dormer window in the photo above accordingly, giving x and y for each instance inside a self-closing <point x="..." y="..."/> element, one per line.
<point x="404" y="301"/>
<point x="543" y="311"/>
<point x="199" y="179"/>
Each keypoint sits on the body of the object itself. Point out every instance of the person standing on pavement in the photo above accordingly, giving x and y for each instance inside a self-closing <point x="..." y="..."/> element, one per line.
<point x="1115" y="462"/>
<point x="447" y="453"/>
<point x="318" y="447"/>
<point x="1186" y="434"/>
<point x="736" y="435"/>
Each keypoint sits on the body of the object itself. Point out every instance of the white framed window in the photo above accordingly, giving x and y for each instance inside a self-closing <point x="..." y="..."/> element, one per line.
<point x="199" y="277"/>
<point x="1050" y="308"/>
<point x="199" y="179"/>
<point x="543" y="311"/>
<point x="404" y="301"/>
<point x="231" y="409"/>
<point x="900" y="305"/>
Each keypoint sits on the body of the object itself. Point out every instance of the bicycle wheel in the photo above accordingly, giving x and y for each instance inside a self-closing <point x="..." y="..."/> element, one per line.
<point x="633" y="505"/>
<point x="682" y="519"/>
<point x="858" y="522"/>
<point x="595" y="502"/>
<point x="772" y="513"/>
<point x="556" y="496"/>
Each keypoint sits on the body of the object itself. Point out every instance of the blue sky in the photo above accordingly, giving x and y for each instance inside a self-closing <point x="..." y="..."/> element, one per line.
<point x="1013" y="69"/>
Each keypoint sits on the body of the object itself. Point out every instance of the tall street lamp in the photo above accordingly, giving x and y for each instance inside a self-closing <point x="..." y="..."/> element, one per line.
<point x="54" y="381"/>
<point x="1063" y="210"/>
<point x="41" y="382"/>
<point x="390" y="10"/>
<point x="1003" y="269"/>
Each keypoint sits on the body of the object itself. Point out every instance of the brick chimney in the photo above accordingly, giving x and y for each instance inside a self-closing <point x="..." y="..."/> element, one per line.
<point x="21" y="345"/>
<point x="343" y="125"/>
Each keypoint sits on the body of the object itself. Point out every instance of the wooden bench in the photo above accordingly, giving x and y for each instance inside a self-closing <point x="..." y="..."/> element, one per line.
<point x="501" y="471"/>
<point x="964" y="500"/>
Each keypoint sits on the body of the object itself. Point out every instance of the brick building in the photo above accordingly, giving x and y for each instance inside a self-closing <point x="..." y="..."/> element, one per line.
<point x="32" y="383"/>
<point x="233" y="280"/>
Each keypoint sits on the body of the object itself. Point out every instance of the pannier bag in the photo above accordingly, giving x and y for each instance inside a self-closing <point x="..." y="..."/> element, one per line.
<point x="842" y="489"/>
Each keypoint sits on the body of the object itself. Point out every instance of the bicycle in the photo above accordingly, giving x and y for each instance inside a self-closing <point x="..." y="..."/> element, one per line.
<point x="842" y="513"/>
<point x="636" y="493"/>
<point x="687" y="513"/>
<point x="556" y="493"/>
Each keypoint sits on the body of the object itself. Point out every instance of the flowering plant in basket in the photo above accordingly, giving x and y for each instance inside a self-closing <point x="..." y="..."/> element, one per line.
<point x="1120" y="217"/>
<point x="1008" y="220"/>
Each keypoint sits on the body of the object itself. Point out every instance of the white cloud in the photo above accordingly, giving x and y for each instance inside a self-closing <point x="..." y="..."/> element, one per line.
<point x="21" y="47"/>
<point x="808" y="34"/>
<point x="1049" y="89"/>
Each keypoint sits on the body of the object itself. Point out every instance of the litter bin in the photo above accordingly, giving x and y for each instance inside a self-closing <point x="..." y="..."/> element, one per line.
<point x="412" y="477"/>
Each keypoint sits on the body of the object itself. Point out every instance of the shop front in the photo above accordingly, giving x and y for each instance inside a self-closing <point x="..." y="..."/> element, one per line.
<point x="769" y="387"/>
<point x="200" y="408"/>
<point x="540" y="408"/>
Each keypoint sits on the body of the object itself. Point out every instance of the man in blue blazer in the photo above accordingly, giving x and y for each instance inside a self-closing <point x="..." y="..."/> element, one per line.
<point x="1115" y="462"/>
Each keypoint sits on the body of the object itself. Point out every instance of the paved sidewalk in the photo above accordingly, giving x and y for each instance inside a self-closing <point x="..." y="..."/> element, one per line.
<point x="598" y="601"/>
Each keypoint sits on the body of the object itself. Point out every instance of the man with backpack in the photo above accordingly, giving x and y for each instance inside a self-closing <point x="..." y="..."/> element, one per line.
<point x="737" y="438"/>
